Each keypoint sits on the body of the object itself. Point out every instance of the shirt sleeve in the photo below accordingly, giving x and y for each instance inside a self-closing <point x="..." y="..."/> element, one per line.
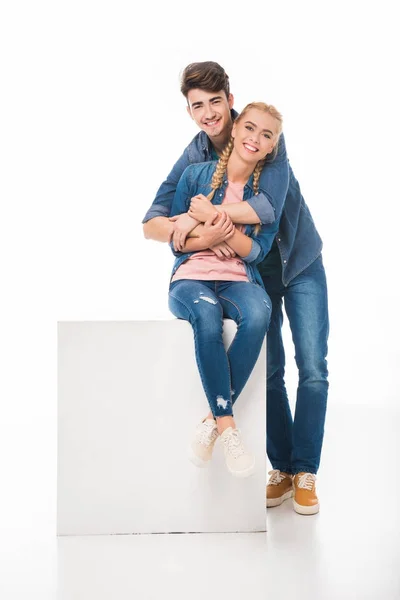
<point x="181" y="200"/>
<point x="162" y="203"/>
<point x="262" y="242"/>
<point x="254" y="252"/>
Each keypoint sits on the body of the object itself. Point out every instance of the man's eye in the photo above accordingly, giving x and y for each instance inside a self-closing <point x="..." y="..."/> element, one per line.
<point x="267" y="136"/>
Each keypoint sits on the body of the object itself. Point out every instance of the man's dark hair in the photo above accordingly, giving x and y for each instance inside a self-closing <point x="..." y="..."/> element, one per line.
<point x="208" y="76"/>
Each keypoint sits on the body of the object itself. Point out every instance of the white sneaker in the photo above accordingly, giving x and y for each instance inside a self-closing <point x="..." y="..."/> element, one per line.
<point x="239" y="462"/>
<point x="201" y="448"/>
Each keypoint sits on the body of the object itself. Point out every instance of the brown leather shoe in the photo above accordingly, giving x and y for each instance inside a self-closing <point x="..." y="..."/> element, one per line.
<point x="305" y="501"/>
<point x="279" y="488"/>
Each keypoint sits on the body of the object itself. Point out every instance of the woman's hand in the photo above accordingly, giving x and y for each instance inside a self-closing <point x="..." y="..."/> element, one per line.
<point x="223" y="251"/>
<point x="201" y="208"/>
<point x="217" y="229"/>
<point x="182" y="225"/>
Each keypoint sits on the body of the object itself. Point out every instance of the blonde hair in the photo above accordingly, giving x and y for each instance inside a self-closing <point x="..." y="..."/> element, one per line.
<point x="220" y="169"/>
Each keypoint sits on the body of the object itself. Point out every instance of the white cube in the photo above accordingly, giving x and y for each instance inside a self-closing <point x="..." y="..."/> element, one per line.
<point x="129" y="399"/>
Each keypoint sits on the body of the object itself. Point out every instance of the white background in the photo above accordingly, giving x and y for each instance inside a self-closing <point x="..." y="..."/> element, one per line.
<point x="92" y="121"/>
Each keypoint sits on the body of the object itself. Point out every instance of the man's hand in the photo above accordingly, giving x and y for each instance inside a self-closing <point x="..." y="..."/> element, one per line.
<point x="223" y="251"/>
<point x="219" y="228"/>
<point x="182" y="225"/>
<point x="201" y="208"/>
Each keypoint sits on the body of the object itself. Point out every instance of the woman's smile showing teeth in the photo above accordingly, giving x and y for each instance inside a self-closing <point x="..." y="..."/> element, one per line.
<point x="252" y="149"/>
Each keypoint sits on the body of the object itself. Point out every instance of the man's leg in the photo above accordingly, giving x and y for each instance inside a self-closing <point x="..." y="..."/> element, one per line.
<point x="306" y="305"/>
<point x="279" y="417"/>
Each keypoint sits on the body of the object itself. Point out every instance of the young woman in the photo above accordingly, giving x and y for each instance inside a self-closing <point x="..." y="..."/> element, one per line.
<point x="215" y="277"/>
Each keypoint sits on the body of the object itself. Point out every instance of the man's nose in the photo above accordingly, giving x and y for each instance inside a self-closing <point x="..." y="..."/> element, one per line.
<point x="210" y="111"/>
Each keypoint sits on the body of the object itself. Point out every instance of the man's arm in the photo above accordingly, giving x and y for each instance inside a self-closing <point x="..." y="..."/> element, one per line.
<point x="264" y="208"/>
<point x="241" y="213"/>
<point x="217" y="229"/>
<point x="158" y="229"/>
<point x="155" y="222"/>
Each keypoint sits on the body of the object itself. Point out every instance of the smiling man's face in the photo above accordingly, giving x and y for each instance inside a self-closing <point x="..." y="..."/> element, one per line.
<point x="211" y="111"/>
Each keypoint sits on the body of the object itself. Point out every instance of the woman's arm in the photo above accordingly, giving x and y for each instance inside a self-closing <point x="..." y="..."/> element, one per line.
<point x="254" y="247"/>
<point x="216" y="230"/>
<point x="262" y="241"/>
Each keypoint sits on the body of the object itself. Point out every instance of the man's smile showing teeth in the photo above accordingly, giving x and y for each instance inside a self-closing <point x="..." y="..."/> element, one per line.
<point x="250" y="148"/>
<point x="212" y="123"/>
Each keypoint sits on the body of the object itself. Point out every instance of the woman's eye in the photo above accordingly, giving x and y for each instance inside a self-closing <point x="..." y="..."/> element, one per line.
<point x="249" y="127"/>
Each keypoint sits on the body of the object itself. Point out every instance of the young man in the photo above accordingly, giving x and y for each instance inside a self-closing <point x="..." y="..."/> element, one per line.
<point x="292" y="271"/>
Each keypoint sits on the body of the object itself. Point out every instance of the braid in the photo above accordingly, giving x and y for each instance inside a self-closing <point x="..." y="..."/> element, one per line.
<point x="256" y="175"/>
<point x="220" y="169"/>
<point x="256" y="179"/>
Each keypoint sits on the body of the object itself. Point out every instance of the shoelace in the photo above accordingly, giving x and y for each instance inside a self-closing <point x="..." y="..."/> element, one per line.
<point x="234" y="444"/>
<point x="306" y="481"/>
<point x="276" y="477"/>
<point x="207" y="433"/>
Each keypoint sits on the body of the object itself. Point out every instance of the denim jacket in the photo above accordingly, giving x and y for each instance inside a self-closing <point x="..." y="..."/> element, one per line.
<point x="196" y="179"/>
<point x="280" y="200"/>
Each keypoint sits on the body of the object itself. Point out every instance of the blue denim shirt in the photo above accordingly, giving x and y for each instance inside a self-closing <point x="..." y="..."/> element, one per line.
<point x="280" y="200"/>
<point x="196" y="179"/>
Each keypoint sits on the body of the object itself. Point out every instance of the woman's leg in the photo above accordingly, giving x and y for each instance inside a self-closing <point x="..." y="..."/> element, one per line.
<point x="195" y="302"/>
<point x="250" y="307"/>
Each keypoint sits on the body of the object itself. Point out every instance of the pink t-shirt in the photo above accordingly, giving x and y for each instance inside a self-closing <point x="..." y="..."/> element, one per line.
<point x="205" y="265"/>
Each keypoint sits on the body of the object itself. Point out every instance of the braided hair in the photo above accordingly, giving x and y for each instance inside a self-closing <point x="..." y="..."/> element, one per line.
<point x="220" y="169"/>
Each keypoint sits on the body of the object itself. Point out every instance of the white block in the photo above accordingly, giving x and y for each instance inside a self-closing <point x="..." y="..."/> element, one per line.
<point x="129" y="399"/>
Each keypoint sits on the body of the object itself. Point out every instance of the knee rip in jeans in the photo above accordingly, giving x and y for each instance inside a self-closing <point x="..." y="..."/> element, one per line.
<point x="206" y="299"/>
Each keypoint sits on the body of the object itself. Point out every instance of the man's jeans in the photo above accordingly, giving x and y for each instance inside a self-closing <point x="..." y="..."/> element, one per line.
<point x="295" y="446"/>
<point x="204" y="304"/>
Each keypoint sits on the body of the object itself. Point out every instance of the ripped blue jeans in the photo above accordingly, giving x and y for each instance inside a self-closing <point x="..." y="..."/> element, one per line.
<point x="205" y="304"/>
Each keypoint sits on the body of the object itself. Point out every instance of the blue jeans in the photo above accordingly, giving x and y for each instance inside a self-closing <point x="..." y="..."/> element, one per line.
<point x="295" y="445"/>
<point x="204" y="304"/>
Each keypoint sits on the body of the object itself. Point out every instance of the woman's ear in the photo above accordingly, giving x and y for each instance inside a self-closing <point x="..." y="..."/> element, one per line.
<point x="233" y="132"/>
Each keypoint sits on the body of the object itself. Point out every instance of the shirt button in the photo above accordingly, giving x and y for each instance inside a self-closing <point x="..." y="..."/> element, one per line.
<point x="220" y="194"/>
<point x="279" y="239"/>
<point x="285" y="261"/>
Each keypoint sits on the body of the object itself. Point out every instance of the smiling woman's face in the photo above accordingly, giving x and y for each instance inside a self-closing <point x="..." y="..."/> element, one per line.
<point x="255" y="135"/>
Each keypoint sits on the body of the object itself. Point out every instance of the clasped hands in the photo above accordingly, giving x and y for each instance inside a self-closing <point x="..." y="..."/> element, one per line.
<point x="217" y="228"/>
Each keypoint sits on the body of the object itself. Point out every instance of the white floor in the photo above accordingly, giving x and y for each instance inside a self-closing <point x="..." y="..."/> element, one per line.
<point x="351" y="550"/>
